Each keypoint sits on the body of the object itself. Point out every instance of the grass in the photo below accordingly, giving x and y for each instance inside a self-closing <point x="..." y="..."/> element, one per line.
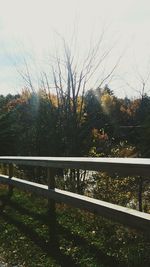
<point x="83" y="239"/>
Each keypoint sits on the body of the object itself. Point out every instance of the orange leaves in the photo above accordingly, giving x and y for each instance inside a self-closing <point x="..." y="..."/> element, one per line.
<point x="99" y="134"/>
<point x="15" y="102"/>
<point x="131" y="108"/>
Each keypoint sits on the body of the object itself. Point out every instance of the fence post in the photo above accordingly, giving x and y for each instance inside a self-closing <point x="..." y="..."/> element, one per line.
<point x="11" y="171"/>
<point x="140" y="193"/>
<point x="52" y="210"/>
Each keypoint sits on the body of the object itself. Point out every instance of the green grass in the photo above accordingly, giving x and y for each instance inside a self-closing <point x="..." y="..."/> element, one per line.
<point x="84" y="239"/>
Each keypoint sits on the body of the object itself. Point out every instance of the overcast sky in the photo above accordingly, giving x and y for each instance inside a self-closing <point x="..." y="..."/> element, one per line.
<point x="30" y="29"/>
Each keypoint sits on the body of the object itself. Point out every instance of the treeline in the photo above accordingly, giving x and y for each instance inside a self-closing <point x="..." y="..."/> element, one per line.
<point x="97" y="123"/>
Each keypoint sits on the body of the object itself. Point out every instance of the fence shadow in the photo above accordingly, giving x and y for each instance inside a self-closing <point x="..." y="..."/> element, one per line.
<point x="48" y="248"/>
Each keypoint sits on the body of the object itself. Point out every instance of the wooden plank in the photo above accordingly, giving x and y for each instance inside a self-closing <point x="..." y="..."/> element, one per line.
<point x="51" y="210"/>
<point x="129" y="217"/>
<point x="120" y="166"/>
<point x="11" y="171"/>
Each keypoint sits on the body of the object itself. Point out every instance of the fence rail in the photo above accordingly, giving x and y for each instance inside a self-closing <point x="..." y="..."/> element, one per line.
<point x="120" y="166"/>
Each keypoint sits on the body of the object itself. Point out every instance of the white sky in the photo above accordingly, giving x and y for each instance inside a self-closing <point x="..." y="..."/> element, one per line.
<point x="30" y="29"/>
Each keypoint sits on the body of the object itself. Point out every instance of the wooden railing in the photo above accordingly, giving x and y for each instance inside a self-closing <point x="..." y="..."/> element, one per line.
<point x="120" y="166"/>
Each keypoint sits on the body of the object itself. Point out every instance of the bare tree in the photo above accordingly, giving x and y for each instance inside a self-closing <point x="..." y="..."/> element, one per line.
<point x="71" y="79"/>
<point x="140" y="81"/>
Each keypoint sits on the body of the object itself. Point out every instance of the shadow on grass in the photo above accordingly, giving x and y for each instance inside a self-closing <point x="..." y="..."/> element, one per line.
<point x="50" y="249"/>
<point x="98" y="254"/>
